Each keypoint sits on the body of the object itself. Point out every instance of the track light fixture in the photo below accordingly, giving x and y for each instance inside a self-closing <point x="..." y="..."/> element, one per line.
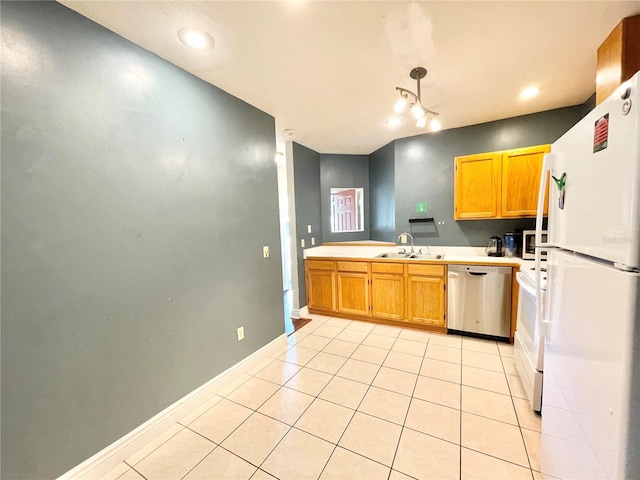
<point x="421" y="113"/>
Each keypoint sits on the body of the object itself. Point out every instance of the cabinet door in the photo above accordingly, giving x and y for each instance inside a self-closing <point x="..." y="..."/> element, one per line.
<point x="520" y="179"/>
<point x="618" y="57"/>
<point x="477" y="180"/>
<point x="320" y="289"/>
<point x="387" y="296"/>
<point x="353" y="293"/>
<point x="426" y="297"/>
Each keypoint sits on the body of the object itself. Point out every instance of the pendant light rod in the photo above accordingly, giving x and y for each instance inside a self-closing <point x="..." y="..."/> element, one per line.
<point x="417" y="73"/>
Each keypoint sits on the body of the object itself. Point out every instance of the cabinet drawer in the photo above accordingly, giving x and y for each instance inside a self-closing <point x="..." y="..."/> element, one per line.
<point x="352" y="267"/>
<point x="431" y="270"/>
<point x="320" y="264"/>
<point x="387" y="268"/>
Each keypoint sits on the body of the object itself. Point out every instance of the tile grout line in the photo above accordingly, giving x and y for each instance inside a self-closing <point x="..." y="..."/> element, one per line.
<point x="242" y="423"/>
<point x="460" y="451"/>
<point x="389" y="350"/>
<point x="305" y="410"/>
<point x="360" y="403"/>
<point x="300" y="416"/>
<point x="132" y="468"/>
<point x="280" y="386"/>
<point x="393" y="461"/>
<point x="231" y="433"/>
<point x="524" y="443"/>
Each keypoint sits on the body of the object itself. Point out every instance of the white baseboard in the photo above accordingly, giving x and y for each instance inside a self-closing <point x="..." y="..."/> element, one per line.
<point x="109" y="457"/>
<point x="300" y="312"/>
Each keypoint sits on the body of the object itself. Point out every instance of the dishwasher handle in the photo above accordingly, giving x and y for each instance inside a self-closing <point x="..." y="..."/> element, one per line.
<point x="479" y="274"/>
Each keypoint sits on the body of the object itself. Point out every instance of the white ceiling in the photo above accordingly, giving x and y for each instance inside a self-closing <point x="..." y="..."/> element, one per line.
<point x="328" y="69"/>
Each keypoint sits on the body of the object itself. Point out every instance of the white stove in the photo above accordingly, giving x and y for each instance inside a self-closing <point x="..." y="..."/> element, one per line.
<point x="528" y="343"/>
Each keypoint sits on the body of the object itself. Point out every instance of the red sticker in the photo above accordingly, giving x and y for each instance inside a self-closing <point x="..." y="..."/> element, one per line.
<point x="601" y="134"/>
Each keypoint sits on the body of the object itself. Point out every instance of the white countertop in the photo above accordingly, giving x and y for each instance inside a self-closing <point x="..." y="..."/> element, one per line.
<point x="451" y="254"/>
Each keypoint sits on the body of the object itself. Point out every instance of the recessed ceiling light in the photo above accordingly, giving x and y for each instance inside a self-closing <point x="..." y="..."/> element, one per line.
<point x="529" y="92"/>
<point x="393" y="122"/>
<point x="195" y="38"/>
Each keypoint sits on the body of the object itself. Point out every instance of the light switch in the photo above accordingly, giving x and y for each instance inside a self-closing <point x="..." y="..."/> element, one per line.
<point x="313" y="240"/>
<point x="308" y="228"/>
<point x="403" y="238"/>
<point x="265" y="251"/>
<point x="302" y="242"/>
<point x="240" y="333"/>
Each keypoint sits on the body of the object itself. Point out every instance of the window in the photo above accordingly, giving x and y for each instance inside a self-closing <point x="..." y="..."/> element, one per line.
<point x="347" y="210"/>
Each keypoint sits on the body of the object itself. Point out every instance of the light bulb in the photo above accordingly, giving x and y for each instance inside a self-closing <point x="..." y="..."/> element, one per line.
<point x="195" y="38"/>
<point x="435" y="125"/>
<point x="422" y="121"/>
<point x="417" y="110"/>
<point x="528" y="93"/>
<point x="400" y="104"/>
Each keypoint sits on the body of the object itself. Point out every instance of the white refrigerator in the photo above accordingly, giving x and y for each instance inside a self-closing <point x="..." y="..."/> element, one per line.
<point x="590" y="318"/>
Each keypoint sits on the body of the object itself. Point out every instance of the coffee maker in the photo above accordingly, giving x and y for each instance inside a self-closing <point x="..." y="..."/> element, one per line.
<point x="494" y="249"/>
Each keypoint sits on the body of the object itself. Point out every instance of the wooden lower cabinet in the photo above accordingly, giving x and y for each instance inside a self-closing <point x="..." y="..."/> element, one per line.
<point x="321" y="286"/>
<point x="426" y="295"/>
<point x="426" y="300"/>
<point x="387" y="291"/>
<point x="353" y="293"/>
<point x="394" y="292"/>
<point x="387" y="296"/>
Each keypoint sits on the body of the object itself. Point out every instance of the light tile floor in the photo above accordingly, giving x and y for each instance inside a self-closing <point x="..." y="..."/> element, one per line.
<point x="344" y="399"/>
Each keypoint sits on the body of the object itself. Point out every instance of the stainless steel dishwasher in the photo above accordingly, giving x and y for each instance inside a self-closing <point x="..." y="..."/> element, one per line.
<point x="479" y="300"/>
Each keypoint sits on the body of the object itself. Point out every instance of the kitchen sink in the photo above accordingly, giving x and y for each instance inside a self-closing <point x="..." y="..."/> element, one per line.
<point x="426" y="256"/>
<point x="412" y="256"/>
<point x="393" y="255"/>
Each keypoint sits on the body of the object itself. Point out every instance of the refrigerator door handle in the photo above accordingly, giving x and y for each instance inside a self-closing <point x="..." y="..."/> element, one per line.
<point x="547" y="166"/>
<point x="545" y="328"/>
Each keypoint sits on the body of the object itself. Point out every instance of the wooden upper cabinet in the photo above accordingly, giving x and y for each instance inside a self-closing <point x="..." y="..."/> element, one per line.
<point x="618" y="57"/>
<point x="500" y="184"/>
<point x="520" y="181"/>
<point x="476" y="186"/>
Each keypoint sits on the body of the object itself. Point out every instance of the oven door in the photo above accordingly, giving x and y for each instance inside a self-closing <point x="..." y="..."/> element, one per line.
<point x="528" y="346"/>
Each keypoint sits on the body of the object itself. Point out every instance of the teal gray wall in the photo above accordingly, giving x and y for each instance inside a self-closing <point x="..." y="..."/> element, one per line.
<point x="136" y="199"/>
<point x="306" y="178"/>
<point x="424" y="171"/>
<point x="343" y="171"/>
<point x="382" y="193"/>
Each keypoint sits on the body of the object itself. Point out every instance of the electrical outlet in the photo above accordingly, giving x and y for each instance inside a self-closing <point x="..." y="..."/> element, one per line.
<point x="308" y="228"/>
<point x="302" y="242"/>
<point x="313" y="240"/>
<point x="240" y="333"/>
<point x="403" y="238"/>
<point x="265" y="251"/>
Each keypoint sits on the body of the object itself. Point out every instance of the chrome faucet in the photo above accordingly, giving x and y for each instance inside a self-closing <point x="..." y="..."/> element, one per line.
<point x="410" y="236"/>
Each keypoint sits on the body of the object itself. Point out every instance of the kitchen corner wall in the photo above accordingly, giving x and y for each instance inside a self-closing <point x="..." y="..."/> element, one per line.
<point x="382" y="192"/>
<point x="306" y="178"/>
<point x="136" y="199"/>
<point x="424" y="171"/>
<point x="343" y="171"/>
